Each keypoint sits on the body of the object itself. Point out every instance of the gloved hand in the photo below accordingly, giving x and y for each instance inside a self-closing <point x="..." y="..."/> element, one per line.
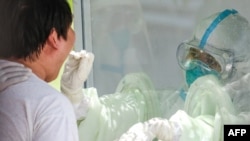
<point x="12" y="73"/>
<point x="137" y="133"/>
<point x="161" y="129"/>
<point x="76" y="71"/>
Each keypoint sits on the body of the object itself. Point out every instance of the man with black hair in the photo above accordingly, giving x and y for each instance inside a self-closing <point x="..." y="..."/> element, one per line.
<point x="38" y="35"/>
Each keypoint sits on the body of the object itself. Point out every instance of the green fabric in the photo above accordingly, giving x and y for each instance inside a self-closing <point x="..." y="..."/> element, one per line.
<point x="111" y="115"/>
<point x="203" y="118"/>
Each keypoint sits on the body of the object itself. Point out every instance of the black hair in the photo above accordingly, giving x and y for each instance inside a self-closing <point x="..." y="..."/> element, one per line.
<point x="26" y="24"/>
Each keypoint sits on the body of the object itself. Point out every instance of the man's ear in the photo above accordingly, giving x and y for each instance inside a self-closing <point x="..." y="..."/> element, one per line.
<point x="53" y="39"/>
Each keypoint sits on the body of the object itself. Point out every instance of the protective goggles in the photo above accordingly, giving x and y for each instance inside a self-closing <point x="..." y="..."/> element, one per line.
<point x="189" y="55"/>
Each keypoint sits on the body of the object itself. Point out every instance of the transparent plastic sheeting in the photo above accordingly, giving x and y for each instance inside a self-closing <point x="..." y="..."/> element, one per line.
<point x="120" y="42"/>
<point x="131" y="36"/>
<point x="143" y="35"/>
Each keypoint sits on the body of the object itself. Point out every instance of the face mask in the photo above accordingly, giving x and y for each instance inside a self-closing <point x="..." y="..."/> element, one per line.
<point x="197" y="71"/>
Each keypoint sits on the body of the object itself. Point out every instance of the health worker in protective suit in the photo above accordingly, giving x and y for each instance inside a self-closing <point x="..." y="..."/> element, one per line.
<point x="216" y="64"/>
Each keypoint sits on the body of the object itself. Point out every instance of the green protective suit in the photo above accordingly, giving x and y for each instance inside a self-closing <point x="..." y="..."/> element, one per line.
<point x="111" y="115"/>
<point x="207" y="109"/>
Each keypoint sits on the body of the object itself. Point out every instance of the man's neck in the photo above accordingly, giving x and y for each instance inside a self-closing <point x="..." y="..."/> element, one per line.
<point x="36" y="67"/>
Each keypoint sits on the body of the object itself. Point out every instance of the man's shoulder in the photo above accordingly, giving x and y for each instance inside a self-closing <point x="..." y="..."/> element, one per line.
<point x="34" y="89"/>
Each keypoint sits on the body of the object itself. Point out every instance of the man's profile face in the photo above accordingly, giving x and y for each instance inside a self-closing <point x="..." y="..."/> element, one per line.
<point x="64" y="48"/>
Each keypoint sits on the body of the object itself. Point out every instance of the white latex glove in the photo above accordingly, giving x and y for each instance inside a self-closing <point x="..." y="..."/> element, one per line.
<point x="137" y="133"/>
<point x="76" y="71"/>
<point x="161" y="129"/>
<point x="12" y="73"/>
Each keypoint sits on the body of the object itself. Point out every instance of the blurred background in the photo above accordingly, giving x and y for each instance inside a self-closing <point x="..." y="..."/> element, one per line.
<point x="129" y="36"/>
